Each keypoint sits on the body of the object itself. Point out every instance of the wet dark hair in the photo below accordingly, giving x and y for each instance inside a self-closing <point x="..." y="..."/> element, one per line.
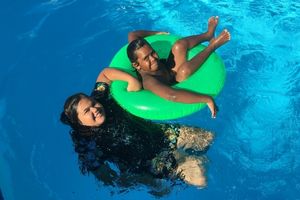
<point x="70" y="116"/>
<point x="133" y="47"/>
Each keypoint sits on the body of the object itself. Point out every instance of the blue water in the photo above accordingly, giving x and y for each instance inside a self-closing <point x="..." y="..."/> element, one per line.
<point x="52" y="49"/>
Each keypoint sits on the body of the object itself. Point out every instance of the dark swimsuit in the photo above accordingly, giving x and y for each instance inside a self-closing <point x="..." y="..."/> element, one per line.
<point x="169" y="64"/>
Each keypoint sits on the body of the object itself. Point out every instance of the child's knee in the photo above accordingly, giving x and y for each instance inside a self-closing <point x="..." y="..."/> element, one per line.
<point x="183" y="73"/>
<point x="179" y="46"/>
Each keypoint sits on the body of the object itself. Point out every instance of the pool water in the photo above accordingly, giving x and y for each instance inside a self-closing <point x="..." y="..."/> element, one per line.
<point x="52" y="49"/>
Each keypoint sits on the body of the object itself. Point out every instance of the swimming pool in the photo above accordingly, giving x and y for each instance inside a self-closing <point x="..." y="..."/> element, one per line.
<point x="52" y="49"/>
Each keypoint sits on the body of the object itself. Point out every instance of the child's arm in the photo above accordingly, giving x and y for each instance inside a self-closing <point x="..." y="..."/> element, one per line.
<point x="178" y="95"/>
<point x="110" y="74"/>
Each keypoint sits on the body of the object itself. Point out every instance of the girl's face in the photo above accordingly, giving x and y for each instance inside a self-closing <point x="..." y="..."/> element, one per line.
<point x="90" y="113"/>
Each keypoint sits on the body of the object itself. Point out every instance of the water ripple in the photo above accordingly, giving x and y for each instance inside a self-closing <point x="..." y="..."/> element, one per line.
<point x="34" y="155"/>
<point x="45" y="9"/>
<point x="33" y="32"/>
<point x="50" y="6"/>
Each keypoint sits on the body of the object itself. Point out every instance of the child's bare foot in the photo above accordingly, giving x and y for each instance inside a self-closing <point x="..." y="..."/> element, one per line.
<point x="220" y="40"/>
<point x="212" y="24"/>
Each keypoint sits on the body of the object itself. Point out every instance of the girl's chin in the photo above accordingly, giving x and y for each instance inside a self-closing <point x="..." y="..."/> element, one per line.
<point x="101" y="120"/>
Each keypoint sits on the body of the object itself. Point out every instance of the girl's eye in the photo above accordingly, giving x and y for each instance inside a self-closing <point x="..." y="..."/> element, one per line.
<point x="86" y="111"/>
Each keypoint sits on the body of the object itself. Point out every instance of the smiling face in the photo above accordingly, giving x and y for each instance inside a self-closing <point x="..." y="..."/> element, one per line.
<point x="90" y="113"/>
<point x="147" y="59"/>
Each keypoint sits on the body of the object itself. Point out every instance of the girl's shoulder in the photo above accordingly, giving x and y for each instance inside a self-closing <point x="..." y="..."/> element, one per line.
<point x="101" y="91"/>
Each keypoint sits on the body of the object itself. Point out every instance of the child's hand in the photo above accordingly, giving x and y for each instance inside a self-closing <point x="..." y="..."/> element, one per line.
<point x="213" y="108"/>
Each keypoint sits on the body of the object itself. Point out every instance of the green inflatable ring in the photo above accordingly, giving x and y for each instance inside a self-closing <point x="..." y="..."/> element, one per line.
<point x="209" y="79"/>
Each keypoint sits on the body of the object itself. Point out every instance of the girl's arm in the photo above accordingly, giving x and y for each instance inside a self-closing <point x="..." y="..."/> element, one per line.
<point x="110" y="74"/>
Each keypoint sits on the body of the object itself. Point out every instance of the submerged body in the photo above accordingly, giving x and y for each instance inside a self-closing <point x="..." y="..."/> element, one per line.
<point x="136" y="146"/>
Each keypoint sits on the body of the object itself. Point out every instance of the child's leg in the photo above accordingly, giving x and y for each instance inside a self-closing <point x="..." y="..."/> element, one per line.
<point x="187" y="68"/>
<point x="180" y="48"/>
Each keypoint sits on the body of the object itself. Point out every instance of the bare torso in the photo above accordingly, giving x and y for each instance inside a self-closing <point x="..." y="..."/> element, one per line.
<point x="164" y="75"/>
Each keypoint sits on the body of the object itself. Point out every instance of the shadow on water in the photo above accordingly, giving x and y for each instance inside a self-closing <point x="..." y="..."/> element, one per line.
<point x="1" y="196"/>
